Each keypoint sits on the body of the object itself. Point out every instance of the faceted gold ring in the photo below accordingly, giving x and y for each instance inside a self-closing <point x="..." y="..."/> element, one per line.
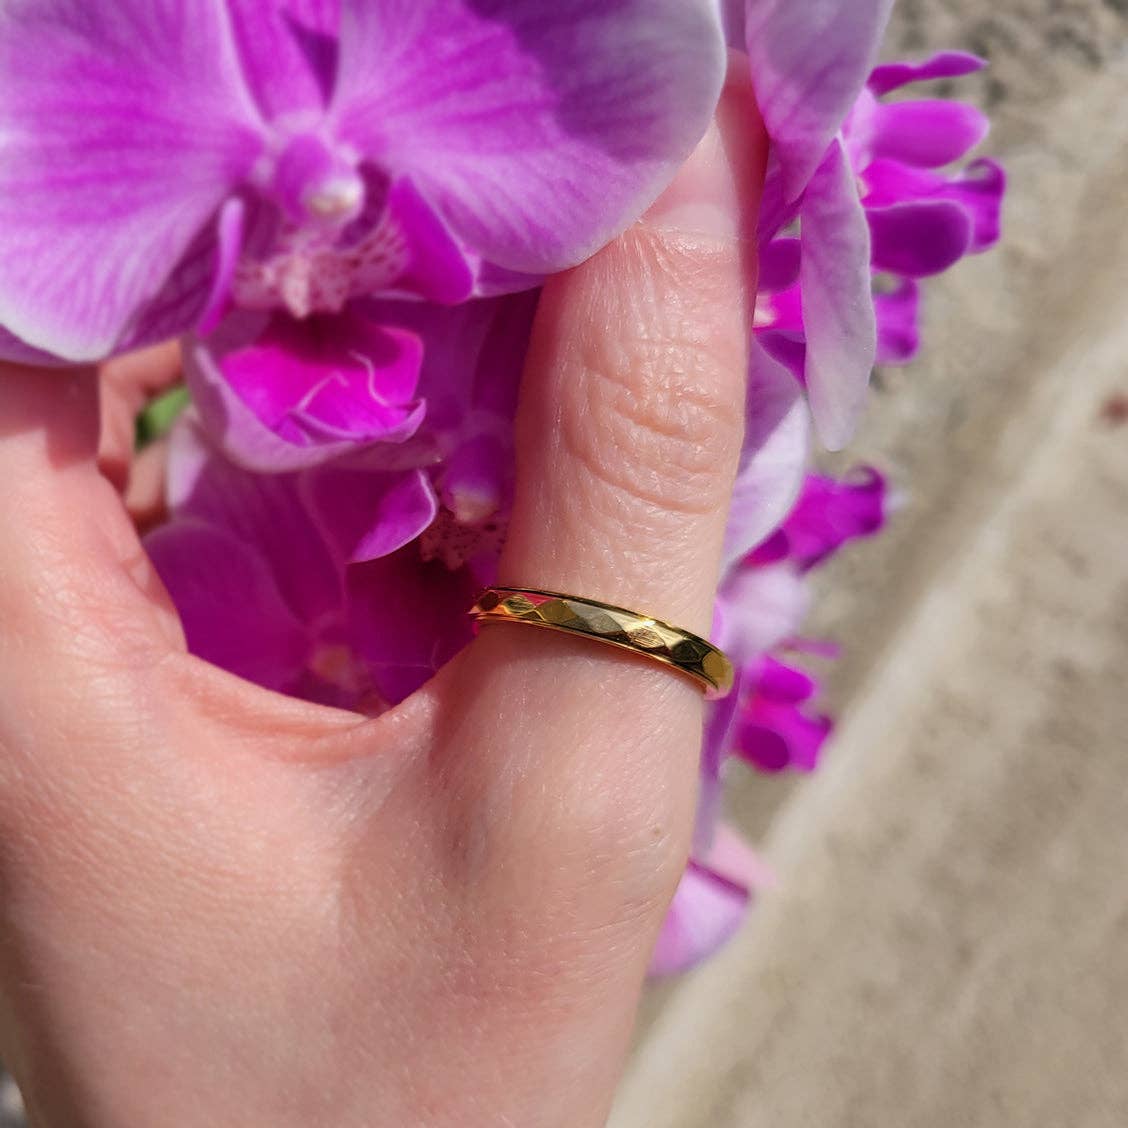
<point x="615" y="626"/>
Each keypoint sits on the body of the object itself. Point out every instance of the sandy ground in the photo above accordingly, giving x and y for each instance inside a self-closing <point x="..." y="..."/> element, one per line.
<point x="948" y="942"/>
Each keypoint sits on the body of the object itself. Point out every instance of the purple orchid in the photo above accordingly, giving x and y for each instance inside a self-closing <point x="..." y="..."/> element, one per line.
<point x="299" y="581"/>
<point x="764" y="597"/>
<point x="281" y="394"/>
<point x="162" y="159"/>
<point x="852" y="179"/>
<point x="828" y="514"/>
<point x="808" y="63"/>
<point x="420" y="380"/>
<point x="913" y="219"/>
<point x="774" y="730"/>
<point x="333" y="550"/>
<point x="767" y="720"/>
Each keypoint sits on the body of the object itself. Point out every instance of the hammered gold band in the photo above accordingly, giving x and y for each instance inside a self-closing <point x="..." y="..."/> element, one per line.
<point x="615" y="626"/>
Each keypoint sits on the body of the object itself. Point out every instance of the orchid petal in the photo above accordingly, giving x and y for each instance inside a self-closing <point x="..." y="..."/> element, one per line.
<point x="537" y="131"/>
<point x="14" y="350"/>
<point x="919" y="238"/>
<point x="779" y="264"/>
<point x="775" y="736"/>
<point x="828" y="514"/>
<point x="787" y="347"/>
<point x="365" y="514"/>
<point x="837" y="300"/>
<point x="265" y="511"/>
<point x="898" y="323"/>
<point x="781" y="315"/>
<point x="242" y="435"/>
<point x="232" y="611"/>
<point x="946" y="64"/>
<point x="980" y="190"/>
<point x="773" y="459"/>
<point x="409" y="618"/>
<point x="774" y="732"/>
<point x="784" y="683"/>
<point x="123" y="127"/>
<point x="288" y="50"/>
<point x="809" y="61"/>
<point x="929" y="133"/>
<point x="438" y="271"/>
<point x="320" y="386"/>
<point x="761" y="608"/>
<point x="475" y="479"/>
<point x="886" y="182"/>
<point x="716" y="743"/>
<point x="777" y="209"/>
<point x="230" y="228"/>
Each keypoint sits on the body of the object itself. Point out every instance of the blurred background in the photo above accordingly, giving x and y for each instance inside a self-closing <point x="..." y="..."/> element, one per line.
<point x="947" y="944"/>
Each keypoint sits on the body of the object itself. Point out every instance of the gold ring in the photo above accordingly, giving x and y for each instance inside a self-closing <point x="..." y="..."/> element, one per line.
<point x="551" y="610"/>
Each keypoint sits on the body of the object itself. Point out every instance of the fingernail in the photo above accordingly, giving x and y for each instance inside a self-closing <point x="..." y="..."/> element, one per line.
<point x="717" y="190"/>
<point x="703" y="198"/>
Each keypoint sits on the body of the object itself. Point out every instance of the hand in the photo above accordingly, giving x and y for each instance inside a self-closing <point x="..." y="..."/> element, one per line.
<point x="223" y="907"/>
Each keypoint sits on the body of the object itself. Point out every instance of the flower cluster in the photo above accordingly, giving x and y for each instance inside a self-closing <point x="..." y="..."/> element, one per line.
<point x="345" y="209"/>
<point x="768" y="721"/>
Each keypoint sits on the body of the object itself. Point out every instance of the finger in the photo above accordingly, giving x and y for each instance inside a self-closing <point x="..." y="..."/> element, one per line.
<point x="145" y="490"/>
<point x="628" y="436"/>
<point x="78" y="596"/>
<point x="632" y="410"/>
<point x="562" y="781"/>
<point x="127" y="383"/>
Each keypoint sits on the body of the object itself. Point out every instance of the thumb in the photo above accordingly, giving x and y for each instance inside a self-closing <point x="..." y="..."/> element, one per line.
<point x="576" y="758"/>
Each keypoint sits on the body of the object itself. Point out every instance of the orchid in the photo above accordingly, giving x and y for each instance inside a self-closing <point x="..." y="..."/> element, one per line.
<point x="853" y="188"/>
<point x="285" y="579"/>
<point x="921" y="220"/>
<point x="162" y="160"/>
<point x="322" y="544"/>
<point x="766" y="721"/>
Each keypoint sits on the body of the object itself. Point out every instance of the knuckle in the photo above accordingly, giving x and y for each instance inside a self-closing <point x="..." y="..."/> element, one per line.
<point x="609" y="857"/>
<point x="665" y="390"/>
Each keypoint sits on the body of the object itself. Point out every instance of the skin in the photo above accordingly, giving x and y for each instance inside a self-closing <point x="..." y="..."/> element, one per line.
<point x="224" y="907"/>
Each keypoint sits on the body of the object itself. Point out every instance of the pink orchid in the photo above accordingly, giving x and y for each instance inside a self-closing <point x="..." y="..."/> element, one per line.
<point x="767" y="720"/>
<point x="299" y="582"/>
<point x="161" y="159"/>
<point x="914" y="221"/>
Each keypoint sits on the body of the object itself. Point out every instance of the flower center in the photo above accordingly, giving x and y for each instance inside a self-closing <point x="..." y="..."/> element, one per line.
<point x="333" y="238"/>
<point x="317" y="185"/>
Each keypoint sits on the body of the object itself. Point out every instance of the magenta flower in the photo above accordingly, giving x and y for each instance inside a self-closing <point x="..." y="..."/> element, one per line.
<point x="768" y="720"/>
<point x="281" y="394"/>
<point x="827" y="515"/>
<point x="421" y="380"/>
<point x="918" y="221"/>
<point x="297" y="578"/>
<point x="765" y="597"/>
<point x="774" y="729"/>
<point x="160" y="160"/>
<point x="809" y="62"/>
<point x="817" y="312"/>
<point x="300" y="582"/>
